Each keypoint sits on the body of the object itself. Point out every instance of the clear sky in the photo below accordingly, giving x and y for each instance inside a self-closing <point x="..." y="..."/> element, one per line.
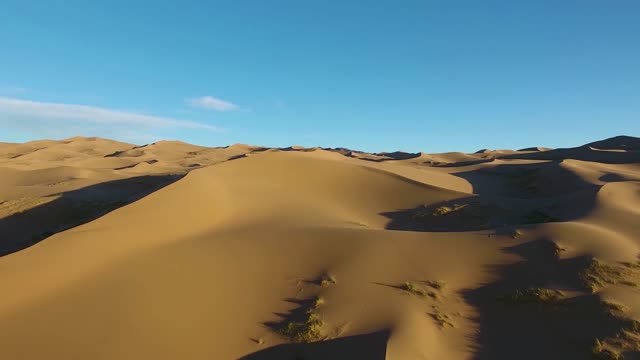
<point x="378" y="75"/>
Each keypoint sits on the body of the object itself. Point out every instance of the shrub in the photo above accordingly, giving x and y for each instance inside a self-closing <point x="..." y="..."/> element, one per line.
<point x="317" y="302"/>
<point x="438" y="285"/>
<point x="328" y="280"/>
<point x="413" y="289"/>
<point x="304" y="331"/>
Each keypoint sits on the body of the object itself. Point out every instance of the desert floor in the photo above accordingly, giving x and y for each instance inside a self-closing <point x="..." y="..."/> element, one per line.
<point x="177" y="251"/>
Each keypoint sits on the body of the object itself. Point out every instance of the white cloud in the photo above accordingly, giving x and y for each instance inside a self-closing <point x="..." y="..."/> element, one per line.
<point x="212" y="103"/>
<point x="69" y="113"/>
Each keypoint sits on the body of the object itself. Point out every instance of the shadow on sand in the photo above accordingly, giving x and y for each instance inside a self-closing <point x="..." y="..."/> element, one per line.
<point x="565" y="329"/>
<point x="584" y="153"/>
<point x="505" y="195"/>
<point x="371" y="346"/>
<point x="73" y="208"/>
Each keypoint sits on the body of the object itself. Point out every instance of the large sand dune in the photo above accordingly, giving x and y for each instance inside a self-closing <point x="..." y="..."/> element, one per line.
<point x="176" y="251"/>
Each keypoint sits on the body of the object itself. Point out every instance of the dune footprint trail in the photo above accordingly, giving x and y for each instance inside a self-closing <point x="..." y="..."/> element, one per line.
<point x="318" y="254"/>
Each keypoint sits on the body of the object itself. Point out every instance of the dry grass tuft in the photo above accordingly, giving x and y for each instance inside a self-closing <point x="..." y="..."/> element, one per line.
<point x="413" y="289"/>
<point x="597" y="275"/>
<point x="535" y="295"/>
<point x="444" y="210"/>
<point x="438" y="285"/>
<point x="328" y="280"/>
<point x="318" y="302"/>
<point x="441" y="319"/>
<point x="599" y="352"/>
<point x="305" y="331"/>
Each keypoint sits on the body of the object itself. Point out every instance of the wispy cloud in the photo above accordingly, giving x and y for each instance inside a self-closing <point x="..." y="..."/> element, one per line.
<point x="71" y="113"/>
<point x="36" y="120"/>
<point x="11" y="90"/>
<point x="212" y="103"/>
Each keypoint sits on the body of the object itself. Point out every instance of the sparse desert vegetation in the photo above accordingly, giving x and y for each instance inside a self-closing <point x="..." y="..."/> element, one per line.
<point x="318" y="302"/>
<point x="444" y="210"/>
<point x="441" y="319"/>
<point x="535" y="295"/>
<point x="414" y="289"/>
<point x="307" y="330"/>
<point x="597" y="274"/>
<point x="438" y="284"/>
<point x="631" y="265"/>
<point x="600" y="353"/>
<point x="440" y="211"/>
<point x="327" y="280"/>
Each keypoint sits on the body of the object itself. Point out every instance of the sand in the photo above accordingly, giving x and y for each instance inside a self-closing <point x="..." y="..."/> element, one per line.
<point x="176" y="251"/>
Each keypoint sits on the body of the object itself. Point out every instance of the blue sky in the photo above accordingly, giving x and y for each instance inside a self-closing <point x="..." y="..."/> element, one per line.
<point x="428" y="76"/>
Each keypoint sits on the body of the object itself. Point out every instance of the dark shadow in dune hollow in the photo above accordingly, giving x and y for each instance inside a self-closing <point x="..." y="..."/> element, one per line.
<point x="22" y="230"/>
<point x="582" y="153"/>
<point x="505" y="195"/>
<point x="371" y="346"/>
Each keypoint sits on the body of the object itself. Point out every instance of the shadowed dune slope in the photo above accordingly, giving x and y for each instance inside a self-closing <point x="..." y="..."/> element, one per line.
<point x="80" y="179"/>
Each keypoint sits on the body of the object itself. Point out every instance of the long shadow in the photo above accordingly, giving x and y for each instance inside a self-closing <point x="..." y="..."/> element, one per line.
<point x="396" y="155"/>
<point x="371" y="346"/>
<point x="583" y="153"/>
<point x="525" y="181"/>
<point x="390" y="156"/>
<point x="465" y="163"/>
<point x="564" y="329"/>
<point x="298" y="314"/>
<point x="73" y="208"/>
<point x="507" y="195"/>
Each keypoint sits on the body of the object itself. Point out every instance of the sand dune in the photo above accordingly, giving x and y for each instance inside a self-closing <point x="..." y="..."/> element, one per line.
<point x="171" y="250"/>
